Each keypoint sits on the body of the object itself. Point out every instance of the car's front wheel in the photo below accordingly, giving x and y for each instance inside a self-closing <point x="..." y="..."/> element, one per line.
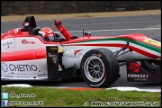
<point x="99" y="68"/>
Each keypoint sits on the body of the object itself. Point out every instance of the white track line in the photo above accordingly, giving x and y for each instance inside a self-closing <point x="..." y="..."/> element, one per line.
<point x="134" y="29"/>
<point x="17" y="85"/>
<point x="117" y="88"/>
<point x="134" y="89"/>
<point x="141" y="29"/>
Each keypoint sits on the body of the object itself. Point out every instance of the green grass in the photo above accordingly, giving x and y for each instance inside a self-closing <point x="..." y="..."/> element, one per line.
<point x="53" y="97"/>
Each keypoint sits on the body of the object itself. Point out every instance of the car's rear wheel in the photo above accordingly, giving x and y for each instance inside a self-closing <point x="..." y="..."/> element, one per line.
<point x="99" y="68"/>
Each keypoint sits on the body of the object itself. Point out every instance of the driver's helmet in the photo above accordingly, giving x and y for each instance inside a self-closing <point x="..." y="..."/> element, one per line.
<point x="47" y="33"/>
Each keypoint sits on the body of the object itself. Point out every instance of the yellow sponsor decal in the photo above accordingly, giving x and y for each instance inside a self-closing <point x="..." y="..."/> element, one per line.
<point x="53" y="48"/>
<point x="60" y="51"/>
<point x="152" y="42"/>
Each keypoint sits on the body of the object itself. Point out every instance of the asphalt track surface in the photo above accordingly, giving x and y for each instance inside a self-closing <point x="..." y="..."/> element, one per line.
<point x="150" y="25"/>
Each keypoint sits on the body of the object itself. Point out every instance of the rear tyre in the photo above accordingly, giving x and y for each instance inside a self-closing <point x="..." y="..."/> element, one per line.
<point x="99" y="68"/>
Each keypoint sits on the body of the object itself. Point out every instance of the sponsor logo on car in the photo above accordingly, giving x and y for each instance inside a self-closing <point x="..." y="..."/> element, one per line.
<point x="8" y="76"/>
<point x="134" y="67"/>
<point x="22" y="67"/>
<point x="18" y="67"/>
<point x="42" y="75"/>
<point x="53" y="57"/>
<point x="139" y="77"/>
<point x="76" y="52"/>
<point x="136" y="73"/>
<point x="24" y="76"/>
<point x="24" y="41"/>
<point x="7" y="43"/>
<point x="153" y="42"/>
<point x="4" y="67"/>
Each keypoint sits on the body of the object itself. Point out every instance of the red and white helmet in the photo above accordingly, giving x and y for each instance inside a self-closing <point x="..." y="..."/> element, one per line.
<point x="47" y="33"/>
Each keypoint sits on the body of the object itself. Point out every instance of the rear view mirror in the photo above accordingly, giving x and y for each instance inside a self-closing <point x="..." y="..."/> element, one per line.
<point x="87" y="33"/>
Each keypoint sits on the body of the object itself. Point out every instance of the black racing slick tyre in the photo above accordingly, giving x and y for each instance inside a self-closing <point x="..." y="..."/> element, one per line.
<point x="99" y="68"/>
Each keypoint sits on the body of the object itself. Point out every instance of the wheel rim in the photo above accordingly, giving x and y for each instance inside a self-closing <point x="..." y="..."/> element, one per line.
<point x="94" y="69"/>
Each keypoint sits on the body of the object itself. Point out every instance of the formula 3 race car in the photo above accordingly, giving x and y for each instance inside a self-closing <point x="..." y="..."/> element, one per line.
<point x="97" y="59"/>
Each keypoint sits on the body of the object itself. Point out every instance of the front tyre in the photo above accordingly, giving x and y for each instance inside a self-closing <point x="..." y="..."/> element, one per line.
<point x="99" y="68"/>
